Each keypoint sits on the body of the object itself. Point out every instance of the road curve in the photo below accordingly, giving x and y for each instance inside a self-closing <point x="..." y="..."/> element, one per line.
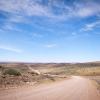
<point x="76" y="88"/>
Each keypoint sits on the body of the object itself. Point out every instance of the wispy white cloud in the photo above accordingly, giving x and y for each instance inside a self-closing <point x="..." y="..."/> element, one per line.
<point x="63" y="11"/>
<point x="27" y="7"/>
<point x="18" y="19"/>
<point x="36" y="35"/>
<point x="22" y="11"/>
<point x="3" y="47"/>
<point x="50" y="45"/>
<point x="74" y="33"/>
<point x="8" y="26"/>
<point x="91" y="26"/>
<point x="86" y="9"/>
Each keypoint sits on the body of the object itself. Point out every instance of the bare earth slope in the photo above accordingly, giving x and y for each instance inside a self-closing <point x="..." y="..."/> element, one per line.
<point x="76" y="88"/>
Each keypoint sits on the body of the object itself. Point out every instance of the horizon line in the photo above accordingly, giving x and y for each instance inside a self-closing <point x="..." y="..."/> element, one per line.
<point x="47" y="62"/>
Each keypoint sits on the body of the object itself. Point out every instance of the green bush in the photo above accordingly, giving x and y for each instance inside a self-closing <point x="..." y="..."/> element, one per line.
<point x="14" y="72"/>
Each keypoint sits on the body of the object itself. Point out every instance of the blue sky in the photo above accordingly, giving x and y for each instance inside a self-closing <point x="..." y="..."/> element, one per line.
<point x="50" y="30"/>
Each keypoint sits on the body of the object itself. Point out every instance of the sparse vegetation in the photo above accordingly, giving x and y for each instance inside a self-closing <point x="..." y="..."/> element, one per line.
<point x="11" y="71"/>
<point x="1" y="66"/>
<point x="23" y="73"/>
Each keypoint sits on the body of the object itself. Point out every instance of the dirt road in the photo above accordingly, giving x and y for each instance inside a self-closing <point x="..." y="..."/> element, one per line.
<point x="76" y="88"/>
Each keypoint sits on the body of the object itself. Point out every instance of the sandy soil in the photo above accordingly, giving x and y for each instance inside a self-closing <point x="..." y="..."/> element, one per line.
<point x="76" y="88"/>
